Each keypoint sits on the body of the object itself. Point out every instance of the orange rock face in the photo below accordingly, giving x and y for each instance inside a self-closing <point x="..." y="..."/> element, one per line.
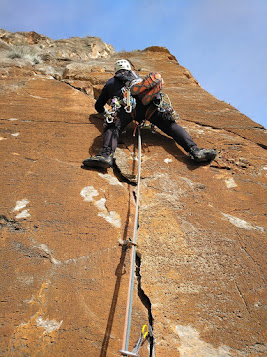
<point x="202" y="228"/>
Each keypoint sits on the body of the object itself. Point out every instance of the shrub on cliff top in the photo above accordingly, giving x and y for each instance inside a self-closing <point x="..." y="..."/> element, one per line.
<point x="26" y="53"/>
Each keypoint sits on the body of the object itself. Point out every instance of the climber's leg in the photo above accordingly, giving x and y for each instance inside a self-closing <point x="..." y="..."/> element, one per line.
<point x="181" y="136"/>
<point x="110" y="141"/>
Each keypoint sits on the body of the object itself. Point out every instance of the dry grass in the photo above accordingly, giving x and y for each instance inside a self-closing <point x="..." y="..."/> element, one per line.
<point x="25" y="53"/>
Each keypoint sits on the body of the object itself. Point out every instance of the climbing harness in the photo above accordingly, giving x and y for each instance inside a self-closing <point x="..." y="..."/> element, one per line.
<point x="127" y="324"/>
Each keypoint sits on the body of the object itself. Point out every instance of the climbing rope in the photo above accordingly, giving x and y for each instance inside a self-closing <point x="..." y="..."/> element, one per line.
<point x="127" y="324"/>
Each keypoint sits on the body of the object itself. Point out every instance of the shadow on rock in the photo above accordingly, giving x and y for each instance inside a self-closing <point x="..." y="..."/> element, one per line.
<point x="119" y="272"/>
<point x="96" y="146"/>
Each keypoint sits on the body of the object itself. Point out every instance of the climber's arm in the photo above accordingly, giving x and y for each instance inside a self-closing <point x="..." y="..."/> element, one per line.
<point x="105" y="95"/>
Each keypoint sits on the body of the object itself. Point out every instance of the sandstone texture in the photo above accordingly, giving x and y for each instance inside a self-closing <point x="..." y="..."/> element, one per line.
<point x="201" y="256"/>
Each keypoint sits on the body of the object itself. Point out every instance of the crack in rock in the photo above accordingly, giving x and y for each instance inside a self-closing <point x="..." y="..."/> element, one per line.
<point x="147" y="304"/>
<point x="11" y="224"/>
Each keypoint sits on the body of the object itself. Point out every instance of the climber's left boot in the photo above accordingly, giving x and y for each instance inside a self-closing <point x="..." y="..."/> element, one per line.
<point x="103" y="160"/>
<point x="202" y="155"/>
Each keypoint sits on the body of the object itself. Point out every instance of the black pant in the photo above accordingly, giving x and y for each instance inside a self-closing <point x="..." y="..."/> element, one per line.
<point x="171" y="128"/>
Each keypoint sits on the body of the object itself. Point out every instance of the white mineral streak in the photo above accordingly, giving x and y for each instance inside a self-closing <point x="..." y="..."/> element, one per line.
<point x="112" y="217"/>
<point x="167" y="161"/>
<point x="48" y="325"/>
<point x="230" y="183"/>
<point x="23" y="214"/>
<point x="193" y="346"/>
<point x="189" y="182"/>
<point x="49" y="252"/>
<point x="240" y="223"/>
<point x="112" y="180"/>
<point x="27" y="280"/>
<point x="88" y="193"/>
<point x="21" y="204"/>
<point x="101" y="204"/>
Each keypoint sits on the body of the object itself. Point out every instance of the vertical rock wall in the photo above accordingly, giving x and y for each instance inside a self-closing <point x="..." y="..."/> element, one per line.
<point x="201" y="264"/>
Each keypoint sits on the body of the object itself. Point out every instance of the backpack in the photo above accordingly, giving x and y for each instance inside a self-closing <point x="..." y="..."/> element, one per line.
<point x="148" y="91"/>
<point x="147" y="88"/>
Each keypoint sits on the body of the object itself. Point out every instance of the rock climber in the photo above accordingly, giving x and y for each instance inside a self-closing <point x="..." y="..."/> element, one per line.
<point x="127" y="107"/>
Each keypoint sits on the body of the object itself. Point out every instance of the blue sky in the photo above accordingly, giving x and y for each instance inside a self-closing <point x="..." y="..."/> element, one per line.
<point x="222" y="42"/>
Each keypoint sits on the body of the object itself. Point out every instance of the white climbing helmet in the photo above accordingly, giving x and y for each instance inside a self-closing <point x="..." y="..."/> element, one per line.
<point x="122" y="64"/>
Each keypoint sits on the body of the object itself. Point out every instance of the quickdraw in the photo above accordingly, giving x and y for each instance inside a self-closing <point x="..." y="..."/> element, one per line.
<point x="142" y="337"/>
<point x="144" y="334"/>
<point x="127" y="101"/>
<point x="111" y="113"/>
<point x="165" y="106"/>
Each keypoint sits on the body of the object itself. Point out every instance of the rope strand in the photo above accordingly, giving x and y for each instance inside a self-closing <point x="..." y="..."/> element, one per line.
<point x="128" y="314"/>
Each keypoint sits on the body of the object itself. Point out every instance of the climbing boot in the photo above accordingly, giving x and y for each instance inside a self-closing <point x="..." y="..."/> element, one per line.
<point x="202" y="155"/>
<point x="103" y="160"/>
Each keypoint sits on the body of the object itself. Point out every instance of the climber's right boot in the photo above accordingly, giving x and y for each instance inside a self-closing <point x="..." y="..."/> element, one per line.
<point x="202" y="155"/>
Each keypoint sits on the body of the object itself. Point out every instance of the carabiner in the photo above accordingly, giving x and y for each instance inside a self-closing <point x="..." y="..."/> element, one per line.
<point x="128" y="110"/>
<point x="109" y="119"/>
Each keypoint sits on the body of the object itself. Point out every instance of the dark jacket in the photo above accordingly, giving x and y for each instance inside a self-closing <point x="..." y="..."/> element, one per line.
<point x="113" y="88"/>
